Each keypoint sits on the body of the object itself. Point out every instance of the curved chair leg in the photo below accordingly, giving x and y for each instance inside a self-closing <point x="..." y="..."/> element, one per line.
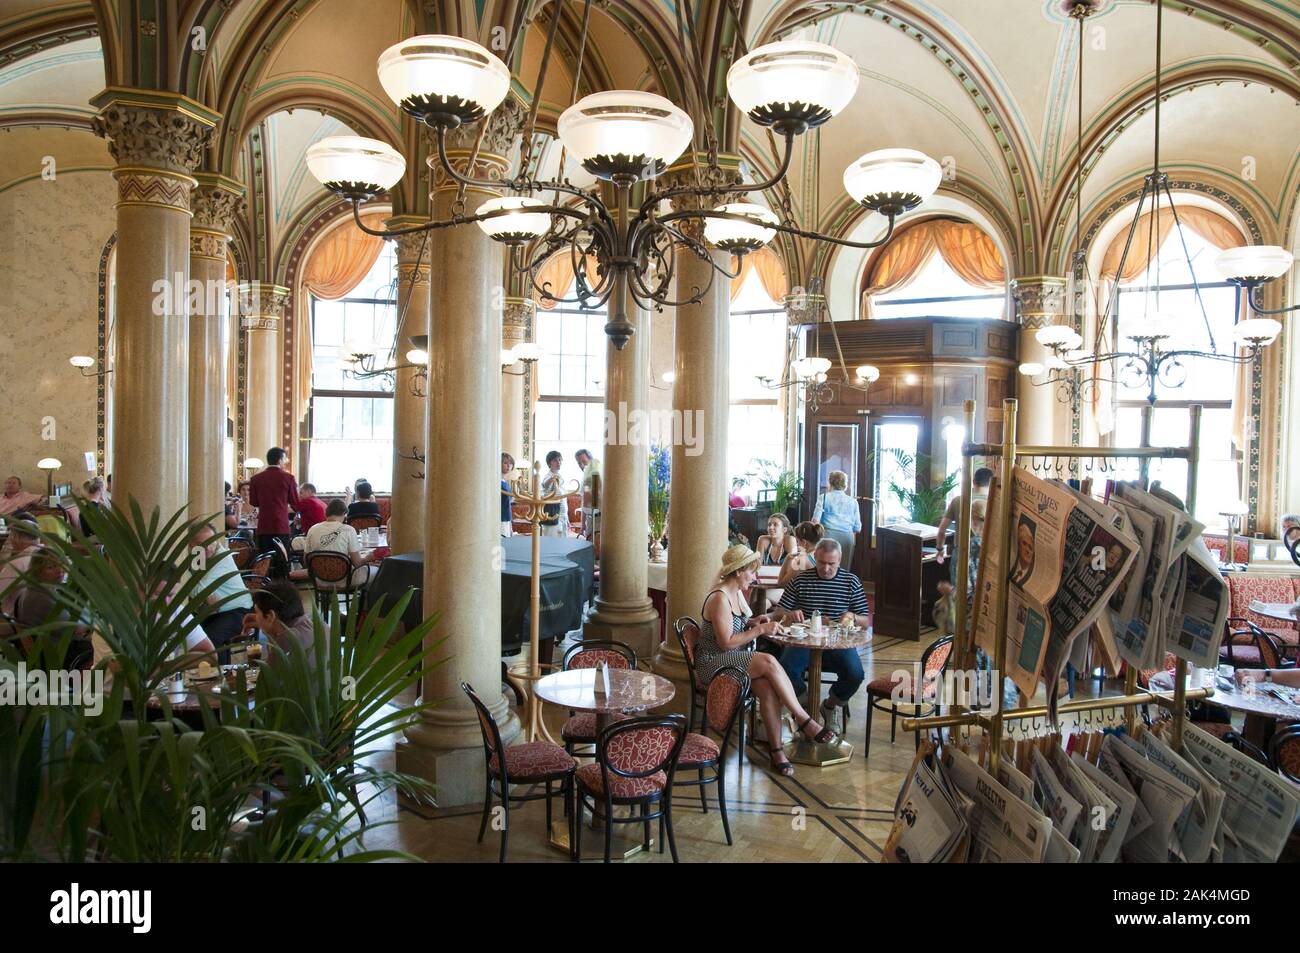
<point x="893" y="725"/>
<point x="609" y="829"/>
<point x="866" y="747"/>
<point x="548" y="810"/>
<point x="722" y="800"/>
<point x="487" y="808"/>
<point x="704" y="798"/>
<point x="505" y="821"/>
<point x="577" y="823"/>
<point x="645" y="826"/>
<point x="668" y="823"/>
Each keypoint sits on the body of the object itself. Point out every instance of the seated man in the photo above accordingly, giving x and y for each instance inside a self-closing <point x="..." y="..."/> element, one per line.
<point x="231" y="597"/>
<point x="36" y="605"/>
<point x="335" y="536"/>
<point x="15" y="498"/>
<point x="14" y="562"/>
<point x="364" y="504"/>
<point x="838" y="595"/>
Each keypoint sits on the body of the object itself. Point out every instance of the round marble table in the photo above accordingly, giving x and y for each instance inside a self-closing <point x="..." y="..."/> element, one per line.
<point x="831" y="638"/>
<point x="1260" y="704"/>
<point x="630" y="691"/>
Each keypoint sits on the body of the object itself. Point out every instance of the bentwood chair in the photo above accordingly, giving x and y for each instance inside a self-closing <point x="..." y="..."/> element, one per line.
<point x="258" y="570"/>
<point x="530" y="763"/>
<point x="580" y="727"/>
<point x="363" y="523"/>
<point x="331" y="579"/>
<point x="881" y="691"/>
<point x="635" y="762"/>
<point x="688" y="636"/>
<point x="724" y="708"/>
<point x="1261" y="649"/>
<point x="1284" y="752"/>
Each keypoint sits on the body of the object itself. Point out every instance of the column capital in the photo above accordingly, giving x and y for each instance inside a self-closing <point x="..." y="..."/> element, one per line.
<point x="1039" y="299"/>
<point x="516" y="317"/>
<point x="413" y="251"/>
<point x="217" y="202"/>
<point x="261" y="305"/>
<point x="683" y="172"/>
<point x="490" y="154"/>
<point x="153" y="130"/>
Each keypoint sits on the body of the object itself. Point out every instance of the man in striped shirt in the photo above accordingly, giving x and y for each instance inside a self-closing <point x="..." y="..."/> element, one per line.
<point x="837" y="594"/>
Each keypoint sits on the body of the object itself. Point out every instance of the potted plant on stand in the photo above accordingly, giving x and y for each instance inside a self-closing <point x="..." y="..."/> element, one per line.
<point x="782" y="489"/>
<point x="925" y="502"/>
<point x="660" y="479"/>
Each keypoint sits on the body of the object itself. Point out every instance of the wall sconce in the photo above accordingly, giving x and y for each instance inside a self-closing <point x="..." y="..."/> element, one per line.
<point x="525" y="352"/>
<point x="83" y="363"/>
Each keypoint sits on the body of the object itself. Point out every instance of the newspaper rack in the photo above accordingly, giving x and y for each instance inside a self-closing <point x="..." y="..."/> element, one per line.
<point x="1008" y="453"/>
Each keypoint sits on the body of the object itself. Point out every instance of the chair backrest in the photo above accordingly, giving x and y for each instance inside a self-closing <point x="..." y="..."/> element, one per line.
<point x="257" y="570"/>
<point x="688" y="635"/>
<point x="1284" y="752"/>
<point x="328" y="567"/>
<point x="725" y="699"/>
<point x="243" y="553"/>
<point x="364" y="522"/>
<point x="488" y="726"/>
<point x="589" y="654"/>
<point x="640" y="747"/>
<point x="933" y="662"/>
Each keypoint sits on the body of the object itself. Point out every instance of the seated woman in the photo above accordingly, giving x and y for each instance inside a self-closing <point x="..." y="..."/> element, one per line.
<point x="778" y="544"/>
<point x="806" y="537"/>
<point x="334" y="536"/>
<point x="727" y="637"/>
<point x="278" y="614"/>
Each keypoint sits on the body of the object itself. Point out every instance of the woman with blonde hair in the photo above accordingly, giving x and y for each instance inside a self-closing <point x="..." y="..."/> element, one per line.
<point x="839" y="513"/>
<point x="727" y="635"/>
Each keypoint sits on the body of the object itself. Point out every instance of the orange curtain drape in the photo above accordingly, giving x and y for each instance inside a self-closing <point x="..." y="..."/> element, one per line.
<point x="771" y="274"/>
<point x="964" y="246"/>
<point x="336" y="266"/>
<point x="1211" y="226"/>
<point x="556" y="276"/>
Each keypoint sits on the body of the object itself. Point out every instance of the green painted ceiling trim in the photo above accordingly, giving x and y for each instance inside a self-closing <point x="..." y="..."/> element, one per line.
<point x="382" y="108"/>
<point x="23" y="68"/>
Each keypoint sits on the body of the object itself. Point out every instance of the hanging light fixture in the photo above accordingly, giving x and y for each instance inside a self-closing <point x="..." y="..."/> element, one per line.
<point x="625" y="137"/>
<point x="1250" y="267"/>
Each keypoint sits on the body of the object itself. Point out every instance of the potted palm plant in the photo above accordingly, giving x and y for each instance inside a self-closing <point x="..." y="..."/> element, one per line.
<point x="924" y="498"/>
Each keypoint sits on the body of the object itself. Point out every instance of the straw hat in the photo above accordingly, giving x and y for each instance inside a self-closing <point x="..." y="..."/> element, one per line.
<point x="736" y="557"/>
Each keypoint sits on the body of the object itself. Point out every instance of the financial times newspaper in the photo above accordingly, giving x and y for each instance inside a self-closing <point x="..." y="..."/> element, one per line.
<point x="1068" y="557"/>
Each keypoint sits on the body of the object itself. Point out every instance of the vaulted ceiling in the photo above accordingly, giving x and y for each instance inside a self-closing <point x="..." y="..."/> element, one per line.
<point x="987" y="87"/>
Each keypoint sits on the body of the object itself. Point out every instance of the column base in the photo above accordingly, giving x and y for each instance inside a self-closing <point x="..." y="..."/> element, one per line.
<point x="457" y="771"/>
<point x="669" y="663"/>
<point x="639" y="631"/>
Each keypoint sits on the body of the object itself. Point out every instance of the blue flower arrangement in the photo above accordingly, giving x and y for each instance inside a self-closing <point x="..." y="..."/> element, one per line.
<point x="660" y="481"/>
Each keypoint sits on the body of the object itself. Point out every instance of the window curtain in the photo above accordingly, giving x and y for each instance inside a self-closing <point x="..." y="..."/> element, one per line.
<point x="1215" y="229"/>
<point x="556" y="276"/>
<point x="771" y="274"/>
<point x="336" y="266"/>
<point x="967" y="249"/>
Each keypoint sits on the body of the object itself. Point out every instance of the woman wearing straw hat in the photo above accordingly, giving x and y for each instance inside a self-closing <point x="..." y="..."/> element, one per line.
<point x="727" y="638"/>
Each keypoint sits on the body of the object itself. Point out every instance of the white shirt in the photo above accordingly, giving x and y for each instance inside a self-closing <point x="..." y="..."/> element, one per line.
<point x="331" y="537"/>
<point x="10" y="584"/>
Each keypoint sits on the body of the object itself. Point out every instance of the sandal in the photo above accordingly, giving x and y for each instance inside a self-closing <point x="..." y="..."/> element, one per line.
<point x="822" y="737"/>
<point x="784" y="768"/>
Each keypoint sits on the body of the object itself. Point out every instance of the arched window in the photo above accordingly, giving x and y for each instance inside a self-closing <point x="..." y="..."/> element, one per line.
<point x="936" y="268"/>
<point x="570" y="408"/>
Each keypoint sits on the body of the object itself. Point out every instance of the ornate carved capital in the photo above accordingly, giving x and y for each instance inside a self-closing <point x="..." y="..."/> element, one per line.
<point x="492" y="159"/>
<point x="204" y="244"/>
<point x="155" y="138"/>
<point x="697" y="172"/>
<point x="261" y="305"/>
<point x="516" y="318"/>
<point x="1040" y="300"/>
<point x="216" y="203"/>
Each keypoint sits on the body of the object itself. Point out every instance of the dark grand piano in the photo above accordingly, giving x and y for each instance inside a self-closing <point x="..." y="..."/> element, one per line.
<point x="567" y="582"/>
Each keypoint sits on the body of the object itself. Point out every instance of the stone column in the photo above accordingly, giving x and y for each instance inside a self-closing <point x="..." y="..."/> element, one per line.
<point x="261" y="309"/>
<point x="217" y="201"/>
<point x="157" y="141"/>
<point x="701" y="400"/>
<point x="1040" y="301"/>
<point x="517" y="389"/>
<point x="623" y="610"/>
<point x="462" y="579"/>
<point x="406" y="524"/>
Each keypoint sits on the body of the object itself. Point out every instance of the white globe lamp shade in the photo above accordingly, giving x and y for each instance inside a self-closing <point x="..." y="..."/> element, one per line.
<point x="867" y="373"/>
<point x="1257" y="331"/>
<point x="892" y="181"/>
<point x="355" y="167"/>
<point x="792" y="85"/>
<point x="1055" y="363"/>
<point x="737" y="237"/>
<point x="515" y="225"/>
<point x="48" y="463"/>
<point x="1058" y="336"/>
<point x="527" y="351"/>
<point x="1156" y="328"/>
<point x="443" y="81"/>
<point x="508" y="358"/>
<point x="1235" y="508"/>
<point x="253" y="463"/>
<point x="1031" y="368"/>
<point x="1253" y="264"/>
<point x="81" y="360"/>
<point x="624" y="135"/>
<point x="811" y="368"/>
<point x="417" y="356"/>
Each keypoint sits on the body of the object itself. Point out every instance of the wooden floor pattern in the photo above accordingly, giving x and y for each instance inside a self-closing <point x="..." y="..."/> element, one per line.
<point x="840" y="813"/>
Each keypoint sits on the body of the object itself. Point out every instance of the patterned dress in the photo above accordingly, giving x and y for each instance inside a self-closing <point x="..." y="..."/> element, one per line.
<point x="711" y="657"/>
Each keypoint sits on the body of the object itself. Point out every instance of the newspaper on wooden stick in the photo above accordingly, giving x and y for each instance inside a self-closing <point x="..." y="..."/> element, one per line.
<point x="1003" y="828"/>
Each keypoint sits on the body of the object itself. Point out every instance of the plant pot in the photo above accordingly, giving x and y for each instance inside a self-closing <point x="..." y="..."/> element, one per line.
<point x="656" y="550"/>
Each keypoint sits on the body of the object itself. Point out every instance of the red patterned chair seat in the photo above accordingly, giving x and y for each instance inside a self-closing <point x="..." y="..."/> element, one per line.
<point x="534" y="760"/>
<point x="592" y="780"/>
<point x="1216" y="728"/>
<point x="698" y="750"/>
<point x="1245" y="656"/>
<point x="582" y="726"/>
<point x="1287" y="756"/>
<point x="882" y="686"/>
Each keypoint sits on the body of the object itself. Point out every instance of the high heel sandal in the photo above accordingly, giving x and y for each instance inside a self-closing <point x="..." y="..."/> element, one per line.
<point x="822" y="737"/>
<point x="784" y="768"/>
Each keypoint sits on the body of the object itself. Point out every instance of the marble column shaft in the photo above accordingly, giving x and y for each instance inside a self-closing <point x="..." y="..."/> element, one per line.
<point x="406" y="523"/>
<point x="217" y="201"/>
<point x="157" y="142"/>
<point x="261" y="309"/>
<point x="1040" y="301"/>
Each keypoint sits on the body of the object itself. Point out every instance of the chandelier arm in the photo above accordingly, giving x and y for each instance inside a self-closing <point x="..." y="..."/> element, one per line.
<point x="667" y="267"/>
<point x="652" y="201"/>
<point x="1250" y="303"/>
<point x="781" y="227"/>
<point x="454" y="220"/>
<point x="702" y="251"/>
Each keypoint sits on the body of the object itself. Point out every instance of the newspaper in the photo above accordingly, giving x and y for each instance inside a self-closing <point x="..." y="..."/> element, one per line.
<point x="928" y="823"/>
<point x="1003" y="828"/>
<point x="1056" y="801"/>
<point x="1203" y="610"/>
<point x="1260" y="807"/>
<point x="1117" y="820"/>
<point x="1167" y="800"/>
<point x="1068" y="558"/>
<point x="1196" y="831"/>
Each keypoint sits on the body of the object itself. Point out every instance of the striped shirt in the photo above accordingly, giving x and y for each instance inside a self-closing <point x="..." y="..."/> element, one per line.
<point x="838" y="511"/>
<point x="811" y="593"/>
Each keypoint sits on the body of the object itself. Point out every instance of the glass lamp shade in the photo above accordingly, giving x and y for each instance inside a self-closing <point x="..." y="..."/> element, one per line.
<point x="81" y="360"/>
<point x="669" y="376"/>
<point x="792" y="85"/>
<point x="1234" y="508"/>
<point x="1257" y="331"/>
<point x="508" y="357"/>
<point x="417" y="356"/>
<point x="253" y="463"/>
<point x="740" y="237"/>
<point x="527" y="351"/>
<point x="892" y="181"/>
<point x="1156" y="328"/>
<point x="443" y="80"/>
<point x="514" y="227"/>
<point x="867" y="373"/>
<point x="624" y="134"/>
<point x="1252" y="264"/>
<point x="48" y="463"/>
<point x="1055" y="363"/>
<point x="1058" y="336"/>
<point x="811" y="367"/>
<point x="1031" y="368"/>
<point x="355" y="167"/>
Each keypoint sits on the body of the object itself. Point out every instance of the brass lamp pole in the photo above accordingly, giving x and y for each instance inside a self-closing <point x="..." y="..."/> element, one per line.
<point x="528" y="491"/>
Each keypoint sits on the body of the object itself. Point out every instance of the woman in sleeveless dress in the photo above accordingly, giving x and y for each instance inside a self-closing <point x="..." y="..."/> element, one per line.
<point x="727" y="637"/>
<point x="806" y="537"/>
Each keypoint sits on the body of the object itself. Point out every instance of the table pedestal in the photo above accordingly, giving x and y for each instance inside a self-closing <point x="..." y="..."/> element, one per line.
<point x="800" y="749"/>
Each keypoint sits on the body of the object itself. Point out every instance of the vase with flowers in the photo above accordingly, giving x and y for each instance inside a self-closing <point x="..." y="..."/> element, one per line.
<point x="659" y="483"/>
